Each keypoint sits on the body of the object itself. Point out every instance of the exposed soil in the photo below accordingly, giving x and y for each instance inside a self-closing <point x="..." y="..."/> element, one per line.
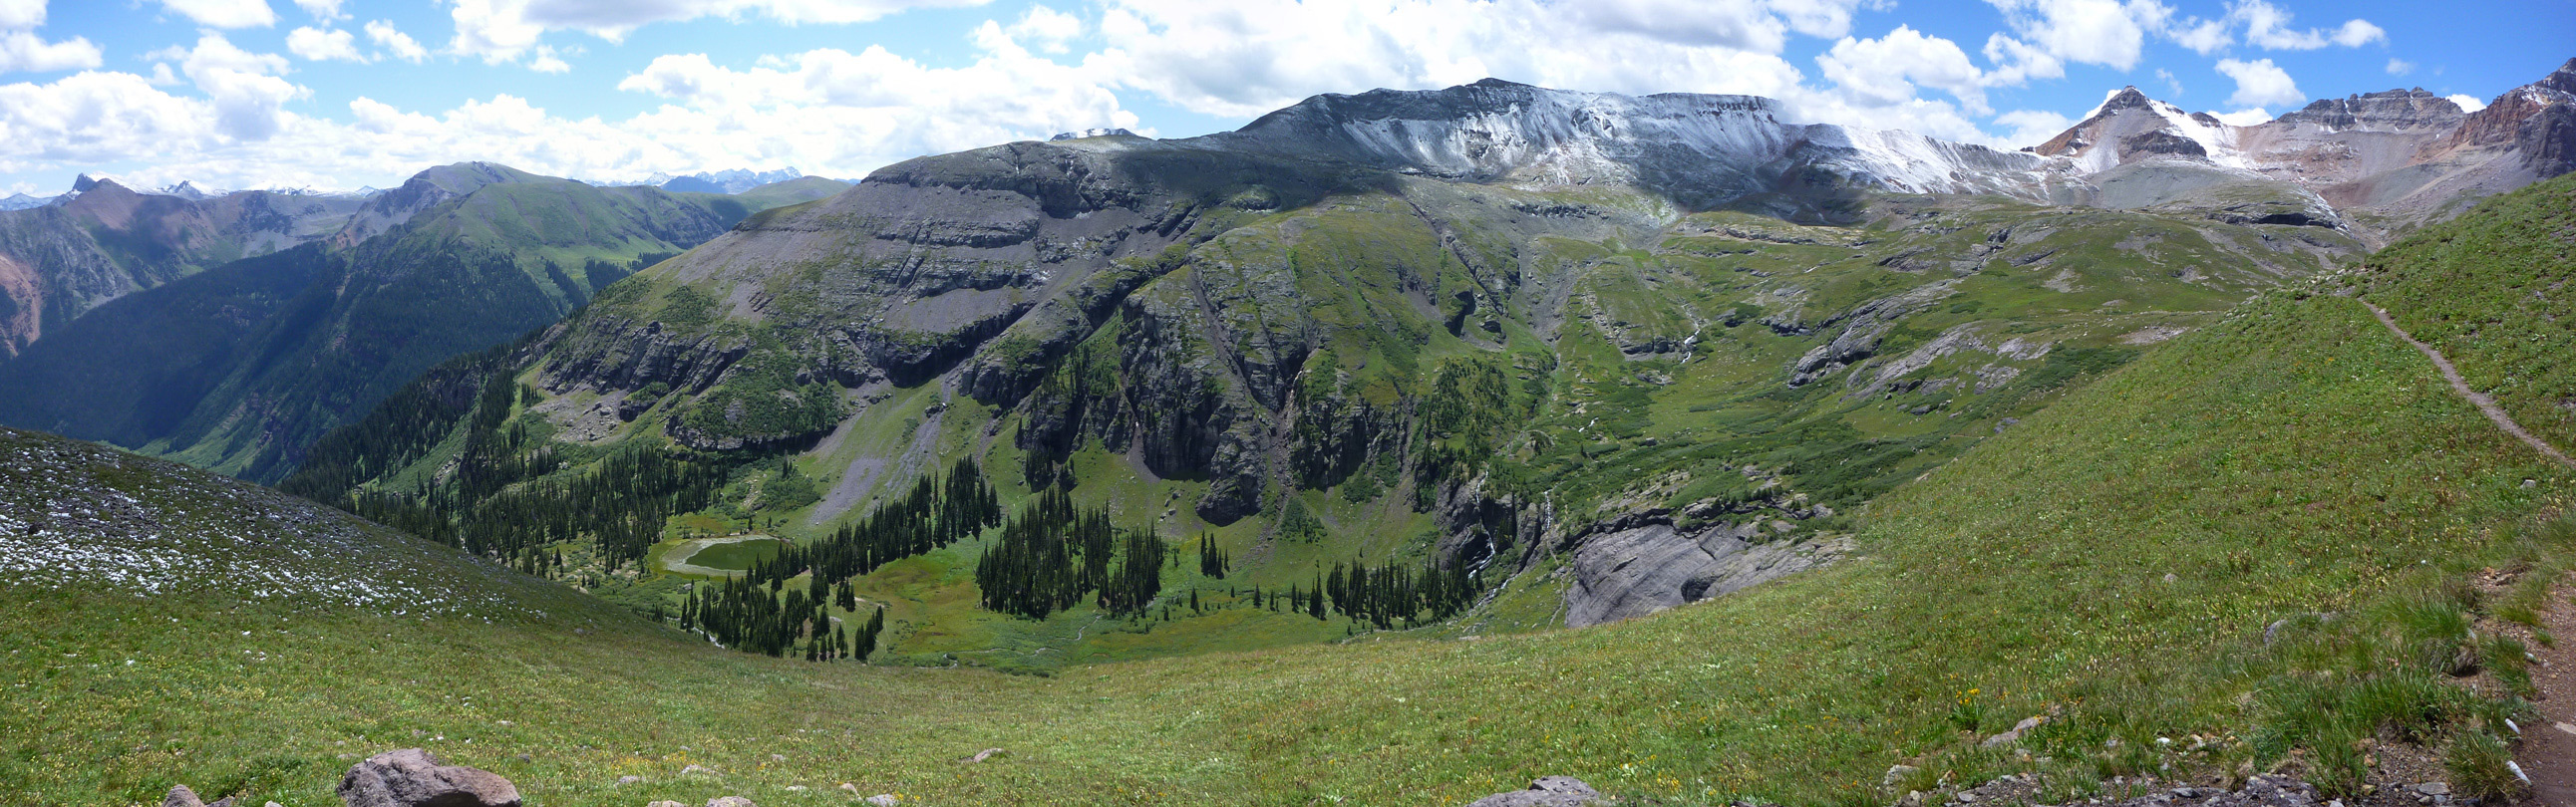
<point x="2547" y="752"/>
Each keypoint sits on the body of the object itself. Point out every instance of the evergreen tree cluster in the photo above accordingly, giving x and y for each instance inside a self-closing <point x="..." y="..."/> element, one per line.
<point x="1054" y="553"/>
<point x="1388" y="593"/>
<point x="757" y="618"/>
<point x="935" y="513"/>
<point x="1212" y="561"/>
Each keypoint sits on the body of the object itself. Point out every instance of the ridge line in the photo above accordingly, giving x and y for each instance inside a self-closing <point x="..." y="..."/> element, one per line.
<point x="2485" y="403"/>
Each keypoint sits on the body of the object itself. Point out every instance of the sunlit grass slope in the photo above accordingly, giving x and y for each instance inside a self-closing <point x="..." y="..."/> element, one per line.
<point x="2112" y="560"/>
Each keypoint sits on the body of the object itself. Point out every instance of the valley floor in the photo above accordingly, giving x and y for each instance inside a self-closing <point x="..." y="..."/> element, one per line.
<point x="2110" y="565"/>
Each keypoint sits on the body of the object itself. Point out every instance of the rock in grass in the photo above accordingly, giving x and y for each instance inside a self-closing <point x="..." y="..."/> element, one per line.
<point x="985" y="754"/>
<point x="666" y="803"/>
<point x="181" y="796"/>
<point x="1898" y="773"/>
<point x="1548" y="791"/>
<point x="412" y="778"/>
<point x="884" y="800"/>
<point x="2014" y="735"/>
<point x="730" y="801"/>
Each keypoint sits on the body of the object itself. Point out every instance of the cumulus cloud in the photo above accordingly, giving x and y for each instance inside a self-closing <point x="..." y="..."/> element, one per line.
<point x="1886" y="70"/>
<point x="2103" y="32"/>
<point x="244" y="89"/>
<point x="22" y="13"/>
<point x="1245" y="58"/>
<point x="2029" y="127"/>
<point x="2400" y="67"/>
<point x="396" y="43"/>
<point x="2203" y="37"/>
<point x="323" y="44"/>
<point x="21" y="50"/>
<point x="225" y="13"/>
<point x="24" y="51"/>
<point x="2260" y="83"/>
<point x="1047" y="29"/>
<point x="2468" y="103"/>
<point x="2268" y="26"/>
<point x="505" y="30"/>
<point x="324" y="10"/>
<point x="848" y="110"/>
<point x="2243" y="117"/>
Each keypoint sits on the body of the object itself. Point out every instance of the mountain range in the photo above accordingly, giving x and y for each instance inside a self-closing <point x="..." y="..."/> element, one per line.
<point x="238" y="364"/>
<point x="1647" y="350"/>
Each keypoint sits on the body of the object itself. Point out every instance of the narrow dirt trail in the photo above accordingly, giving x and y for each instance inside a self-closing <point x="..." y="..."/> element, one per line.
<point x="2485" y="403"/>
<point x="2548" y="750"/>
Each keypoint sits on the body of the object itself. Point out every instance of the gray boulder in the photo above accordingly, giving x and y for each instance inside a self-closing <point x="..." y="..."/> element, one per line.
<point x="181" y="796"/>
<point x="730" y="801"/>
<point x="1548" y="791"/>
<point x="412" y="778"/>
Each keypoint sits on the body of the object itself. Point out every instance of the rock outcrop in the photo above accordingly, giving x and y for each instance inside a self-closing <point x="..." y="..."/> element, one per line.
<point x="1550" y="791"/>
<point x="1650" y="566"/>
<point x="412" y="778"/>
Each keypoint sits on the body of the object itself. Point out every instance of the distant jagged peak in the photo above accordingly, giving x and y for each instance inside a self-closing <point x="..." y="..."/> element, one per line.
<point x="1085" y="134"/>
<point x="729" y="181"/>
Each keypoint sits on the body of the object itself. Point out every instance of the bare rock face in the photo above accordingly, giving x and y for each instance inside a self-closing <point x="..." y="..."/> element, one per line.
<point x="1650" y="566"/>
<point x="1550" y="791"/>
<point x="412" y="778"/>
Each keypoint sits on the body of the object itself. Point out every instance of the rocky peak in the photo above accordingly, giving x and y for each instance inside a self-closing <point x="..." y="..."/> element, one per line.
<point x="83" y="183"/>
<point x="2127" y="98"/>
<point x="2563" y="80"/>
<point x="2380" y="111"/>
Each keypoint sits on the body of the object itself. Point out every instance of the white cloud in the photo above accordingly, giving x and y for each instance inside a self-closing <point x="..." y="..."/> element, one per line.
<point x="22" y="14"/>
<point x="2243" y="117"/>
<point x="544" y="60"/>
<point x="1885" y="70"/>
<point x="1049" y="30"/>
<point x="23" y="50"/>
<point x="852" y="111"/>
<point x="2103" y="32"/>
<point x="2468" y="103"/>
<point x="319" y="44"/>
<point x="2260" y="83"/>
<point x="225" y="13"/>
<point x="504" y="30"/>
<point x="2203" y="37"/>
<point x="246" y="94"/>
<point x="2356" y="33"/>
<point x="2400" y="67"/>
<point x="1245" y="58"/>
<point x="400" y="45"/>
<point x="2030" y="127"/>
<point x="324" y="10"/>
<point x="2173" y="86"/>
<point x="2268" y="26"/>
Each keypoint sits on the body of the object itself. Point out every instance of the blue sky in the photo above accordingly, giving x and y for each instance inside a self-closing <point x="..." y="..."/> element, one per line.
<point x="345" y="93"/>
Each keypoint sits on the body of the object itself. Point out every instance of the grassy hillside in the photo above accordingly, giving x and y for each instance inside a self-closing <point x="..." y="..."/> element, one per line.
<point x="2111" y="562"/>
